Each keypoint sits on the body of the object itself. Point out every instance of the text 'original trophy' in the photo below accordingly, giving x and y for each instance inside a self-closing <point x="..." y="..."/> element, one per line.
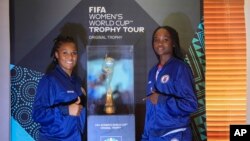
<point x="108" y="68"/>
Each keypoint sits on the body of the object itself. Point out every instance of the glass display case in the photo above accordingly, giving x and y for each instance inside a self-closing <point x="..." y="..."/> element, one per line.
<point x="110" y="92"/>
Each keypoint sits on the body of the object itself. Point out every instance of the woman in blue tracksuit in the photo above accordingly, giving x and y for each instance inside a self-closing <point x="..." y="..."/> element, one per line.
<point x="171" y="96"/>
<point x="59" y="96"/>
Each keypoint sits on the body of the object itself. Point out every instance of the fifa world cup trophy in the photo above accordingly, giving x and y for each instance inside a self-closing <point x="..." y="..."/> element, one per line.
<point x="108" y="68"/>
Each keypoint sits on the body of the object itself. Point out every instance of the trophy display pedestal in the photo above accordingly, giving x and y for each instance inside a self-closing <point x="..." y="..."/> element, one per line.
<point x="111" y="127"/>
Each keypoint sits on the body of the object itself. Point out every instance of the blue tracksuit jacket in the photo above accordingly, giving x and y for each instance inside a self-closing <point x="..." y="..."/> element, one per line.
<point x="54" y="92"/>
<point x="177" y="100"/>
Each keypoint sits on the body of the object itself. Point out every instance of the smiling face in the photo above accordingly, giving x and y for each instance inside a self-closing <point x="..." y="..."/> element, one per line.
<point x="162" y="43"/>
<point x="66" y="56"/>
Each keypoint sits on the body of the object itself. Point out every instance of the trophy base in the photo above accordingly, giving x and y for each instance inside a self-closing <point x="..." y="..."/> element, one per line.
<point x="109" y="109"/>
<point x="109" y="105"/>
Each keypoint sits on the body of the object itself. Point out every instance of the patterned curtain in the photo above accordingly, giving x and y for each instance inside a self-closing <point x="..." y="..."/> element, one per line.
<point x="196" y="59"/>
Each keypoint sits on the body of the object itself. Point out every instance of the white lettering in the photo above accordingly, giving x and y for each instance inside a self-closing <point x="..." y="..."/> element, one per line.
<point x="239" y="132"/>
<point x="133" y="29"/>
<point x="105" y="29"/>
<point x="97" y="9"/>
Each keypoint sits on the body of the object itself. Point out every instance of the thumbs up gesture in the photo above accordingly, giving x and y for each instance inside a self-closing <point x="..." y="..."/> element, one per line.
<point x="75" y="108"/>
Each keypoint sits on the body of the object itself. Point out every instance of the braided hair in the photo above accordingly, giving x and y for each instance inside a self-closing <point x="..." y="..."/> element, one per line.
<point x="58" y="41"/>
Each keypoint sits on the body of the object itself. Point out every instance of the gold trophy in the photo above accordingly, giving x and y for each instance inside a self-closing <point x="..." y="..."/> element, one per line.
<point x="108" y="68"/>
